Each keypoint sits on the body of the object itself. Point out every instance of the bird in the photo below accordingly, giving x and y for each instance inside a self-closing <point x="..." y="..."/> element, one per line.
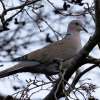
<point x="64" y="49"/>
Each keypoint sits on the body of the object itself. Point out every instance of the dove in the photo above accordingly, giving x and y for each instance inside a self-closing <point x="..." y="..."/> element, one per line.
<point x="64" y="49"/>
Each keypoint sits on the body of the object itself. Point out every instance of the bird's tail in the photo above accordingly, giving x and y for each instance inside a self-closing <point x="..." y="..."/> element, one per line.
<point x="20" y="67"/>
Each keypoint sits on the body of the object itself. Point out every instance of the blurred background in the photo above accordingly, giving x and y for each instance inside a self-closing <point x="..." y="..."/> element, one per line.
<point x="27" y="25"/>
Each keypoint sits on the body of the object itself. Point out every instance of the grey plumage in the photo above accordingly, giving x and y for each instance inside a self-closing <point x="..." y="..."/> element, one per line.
<point x="62" y="49"/>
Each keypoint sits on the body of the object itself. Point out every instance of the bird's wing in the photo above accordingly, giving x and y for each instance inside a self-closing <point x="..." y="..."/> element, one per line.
<point x="57" y="49"/>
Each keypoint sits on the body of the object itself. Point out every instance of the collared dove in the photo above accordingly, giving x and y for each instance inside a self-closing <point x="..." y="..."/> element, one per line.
<point x="62" y="49"/>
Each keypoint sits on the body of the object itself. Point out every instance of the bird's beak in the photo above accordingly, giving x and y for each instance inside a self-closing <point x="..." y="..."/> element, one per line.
<point x="82" y="27"/>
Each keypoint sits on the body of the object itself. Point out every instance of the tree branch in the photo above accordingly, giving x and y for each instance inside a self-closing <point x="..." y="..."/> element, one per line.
<point x="77" y="61"/>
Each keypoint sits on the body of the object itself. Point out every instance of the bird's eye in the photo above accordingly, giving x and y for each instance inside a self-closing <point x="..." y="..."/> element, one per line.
<point x="76" y="23"/>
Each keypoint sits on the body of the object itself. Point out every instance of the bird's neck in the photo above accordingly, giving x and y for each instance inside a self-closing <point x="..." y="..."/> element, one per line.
<point x="73" y="38"/>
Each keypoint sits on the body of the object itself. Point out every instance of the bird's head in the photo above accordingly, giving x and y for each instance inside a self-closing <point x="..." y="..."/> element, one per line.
<point x="75" y="26"/>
